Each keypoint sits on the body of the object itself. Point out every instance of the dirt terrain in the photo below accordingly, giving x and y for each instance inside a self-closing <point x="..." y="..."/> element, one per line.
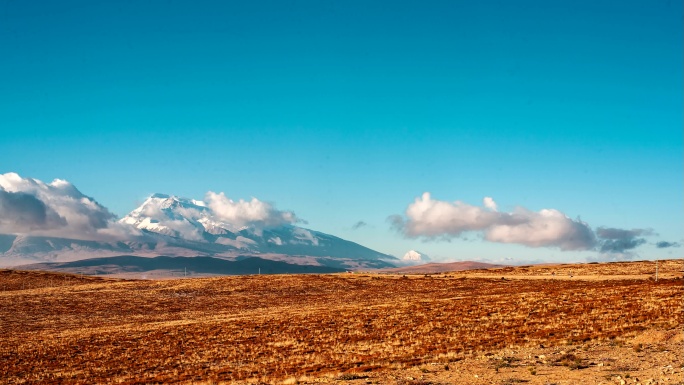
<point x="479" y="327"/>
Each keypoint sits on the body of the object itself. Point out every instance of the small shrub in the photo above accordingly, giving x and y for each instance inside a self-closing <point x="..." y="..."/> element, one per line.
<point x="514" y="381"/>
<point x="351" y="376"/>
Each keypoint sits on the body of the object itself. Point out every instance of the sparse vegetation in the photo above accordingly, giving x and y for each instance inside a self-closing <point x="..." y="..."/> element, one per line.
<point x="511" y="381"/>
<point x="351" y="376"/>
<point x="288" y="328"/>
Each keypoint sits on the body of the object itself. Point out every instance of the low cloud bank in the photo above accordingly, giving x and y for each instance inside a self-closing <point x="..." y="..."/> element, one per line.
<point x="430" y="219"/>
<point x="434" y="219"/>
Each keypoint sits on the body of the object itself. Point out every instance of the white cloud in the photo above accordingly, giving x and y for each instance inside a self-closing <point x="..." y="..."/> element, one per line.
<point x="489" y="203"/>
<point x="29" y="206"/>
<point x="184" y="229"/>
<point x="546" y="228"/>
<point x="303" y="236"/>
<point x="247" y="213"/>
<point x="117" y="231"/>
<point x="432" y="218"/>
<point x="429" y="218"/>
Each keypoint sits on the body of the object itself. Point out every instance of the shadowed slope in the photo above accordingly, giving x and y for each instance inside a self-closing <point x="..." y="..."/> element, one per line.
<point x="200" y="265"/>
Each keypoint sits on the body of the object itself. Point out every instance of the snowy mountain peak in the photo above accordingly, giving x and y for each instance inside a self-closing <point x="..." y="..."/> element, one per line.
<point x="163" y="201"/>
<point x="209" y="224"/>
<point x="195" y="220"/>
<point x="173" y="216"/>
<point x="73" y="226"/>
<point x="415" y="256"/>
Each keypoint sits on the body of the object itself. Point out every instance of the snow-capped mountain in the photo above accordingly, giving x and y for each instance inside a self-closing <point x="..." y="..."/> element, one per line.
<point x="172" y="226"/>
<point x="194" y="221"/>
<point x="414" y="257"/>
<point x="176" y="217"/>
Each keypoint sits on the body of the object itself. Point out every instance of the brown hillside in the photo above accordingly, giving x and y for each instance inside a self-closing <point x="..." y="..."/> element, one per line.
<point x="433" y="268"/>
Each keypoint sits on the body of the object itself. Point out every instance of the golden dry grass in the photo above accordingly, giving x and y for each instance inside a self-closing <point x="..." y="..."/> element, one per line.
<point x="23" y="280"/>
<point x="275" y="328"/>
<point x="595" y="271"/>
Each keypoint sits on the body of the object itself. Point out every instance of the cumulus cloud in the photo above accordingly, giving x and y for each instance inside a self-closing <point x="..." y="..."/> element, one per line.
<point x="429" y="218"/>
<point x="57" y="209"/>
<point x="248" y="213"/>
<point x="665" y="244"/>
<point x="359" y="225"/>
<point x="545" y="228"/>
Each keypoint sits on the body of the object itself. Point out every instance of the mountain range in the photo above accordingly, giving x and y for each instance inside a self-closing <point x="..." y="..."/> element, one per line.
<point x="171" y="226"/>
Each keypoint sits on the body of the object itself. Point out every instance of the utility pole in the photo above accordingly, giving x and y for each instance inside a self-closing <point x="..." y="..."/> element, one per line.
<point x="259" y="271"/>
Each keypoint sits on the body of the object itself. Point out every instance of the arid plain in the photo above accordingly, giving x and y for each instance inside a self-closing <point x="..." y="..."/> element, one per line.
<point x="555" y="324"/>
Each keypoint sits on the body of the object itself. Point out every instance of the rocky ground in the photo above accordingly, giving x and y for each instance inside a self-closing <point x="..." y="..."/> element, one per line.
<point x="653" y="357"/>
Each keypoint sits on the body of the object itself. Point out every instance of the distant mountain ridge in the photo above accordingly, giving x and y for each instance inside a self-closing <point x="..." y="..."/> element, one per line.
<point x="168" y="265"/>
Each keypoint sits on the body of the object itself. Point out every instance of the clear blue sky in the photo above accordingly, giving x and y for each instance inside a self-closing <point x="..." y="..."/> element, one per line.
<point x="346" y="111"/>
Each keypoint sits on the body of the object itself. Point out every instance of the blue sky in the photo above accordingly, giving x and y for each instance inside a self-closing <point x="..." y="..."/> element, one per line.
<point x="348" y="111"/>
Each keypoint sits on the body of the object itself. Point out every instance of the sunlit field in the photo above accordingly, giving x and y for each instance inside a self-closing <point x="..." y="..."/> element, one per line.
<point x="69" y="329"/>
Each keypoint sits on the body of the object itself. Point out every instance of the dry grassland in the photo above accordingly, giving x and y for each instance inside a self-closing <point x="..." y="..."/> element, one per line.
<point x="352" y="328"/>
<point x="667" y="269"/>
